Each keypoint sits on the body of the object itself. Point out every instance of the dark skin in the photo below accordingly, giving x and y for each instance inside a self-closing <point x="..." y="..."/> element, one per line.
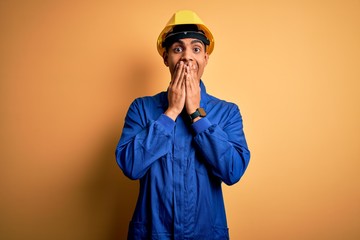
<point x="186" y="60"/>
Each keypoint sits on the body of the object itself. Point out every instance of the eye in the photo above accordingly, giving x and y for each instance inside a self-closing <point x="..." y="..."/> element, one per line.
<point x="197" y="49"/>
<point x="177" y="49"/>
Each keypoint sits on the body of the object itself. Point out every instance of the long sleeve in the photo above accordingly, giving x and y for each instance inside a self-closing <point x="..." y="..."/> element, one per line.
<point x="142" y="141"/>
<point x="224" y="148"/>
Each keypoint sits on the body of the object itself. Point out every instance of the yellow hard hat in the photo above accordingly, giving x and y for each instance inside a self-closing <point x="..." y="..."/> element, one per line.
<point x="185" y="17"/>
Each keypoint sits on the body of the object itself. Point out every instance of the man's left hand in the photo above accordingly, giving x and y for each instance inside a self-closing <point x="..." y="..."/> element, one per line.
<point x="192" y="88"/>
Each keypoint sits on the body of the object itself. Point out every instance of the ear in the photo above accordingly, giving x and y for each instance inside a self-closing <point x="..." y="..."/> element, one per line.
<point x="165" y="58"/>
<point x="206" y="56"/>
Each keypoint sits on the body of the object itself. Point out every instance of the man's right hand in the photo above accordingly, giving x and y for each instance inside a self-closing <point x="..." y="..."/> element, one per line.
<point x="176" y="92"/>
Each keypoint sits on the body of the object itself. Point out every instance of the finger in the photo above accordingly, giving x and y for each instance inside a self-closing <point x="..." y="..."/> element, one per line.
<point x="188" y="79"/>
<point x="179" y="73"/>
<point x="176" y="74"/>
<point x="191" y="77"/>
<point x="194" y="71"/>
<point x="189" y="68"/>
<point x="181" y="76"/>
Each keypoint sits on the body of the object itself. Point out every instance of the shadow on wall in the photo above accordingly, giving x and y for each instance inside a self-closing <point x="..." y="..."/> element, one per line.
<point x="108" y="193"/>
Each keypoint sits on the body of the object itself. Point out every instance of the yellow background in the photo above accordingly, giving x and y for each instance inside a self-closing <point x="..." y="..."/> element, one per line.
<point x="69" y="70"/>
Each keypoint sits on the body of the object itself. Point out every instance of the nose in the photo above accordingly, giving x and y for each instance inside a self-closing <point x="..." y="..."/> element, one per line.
<point x="187" y="55"/>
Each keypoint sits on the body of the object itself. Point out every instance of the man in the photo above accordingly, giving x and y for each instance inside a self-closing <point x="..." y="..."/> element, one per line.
<point x="182" y="144"/>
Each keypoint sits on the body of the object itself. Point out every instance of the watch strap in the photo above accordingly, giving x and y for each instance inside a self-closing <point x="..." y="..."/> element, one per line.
<point x="194" y="115"/>
<point x="200" y="112"/>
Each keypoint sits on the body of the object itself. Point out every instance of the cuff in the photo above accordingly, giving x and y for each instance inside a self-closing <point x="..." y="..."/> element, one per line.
<point x="201" y="125"/>
<point x="166" y="122"/>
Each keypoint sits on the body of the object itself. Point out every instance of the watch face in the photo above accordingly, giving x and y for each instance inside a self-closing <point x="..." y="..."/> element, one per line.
<point x="202" y="112"/>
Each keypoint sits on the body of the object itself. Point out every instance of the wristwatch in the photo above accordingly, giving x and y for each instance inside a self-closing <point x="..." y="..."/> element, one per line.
<point x="200" y="112"/>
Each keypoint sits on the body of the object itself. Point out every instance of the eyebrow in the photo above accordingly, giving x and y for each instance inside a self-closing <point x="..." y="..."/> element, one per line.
<point x="192" y="42"/>
<point x="197" y="41"/>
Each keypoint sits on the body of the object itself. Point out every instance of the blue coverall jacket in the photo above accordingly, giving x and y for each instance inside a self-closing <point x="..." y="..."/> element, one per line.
<point x="181" y="167"/>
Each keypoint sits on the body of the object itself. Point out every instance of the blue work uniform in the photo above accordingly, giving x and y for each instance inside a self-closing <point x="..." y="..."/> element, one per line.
<point x="181" y="166"/>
